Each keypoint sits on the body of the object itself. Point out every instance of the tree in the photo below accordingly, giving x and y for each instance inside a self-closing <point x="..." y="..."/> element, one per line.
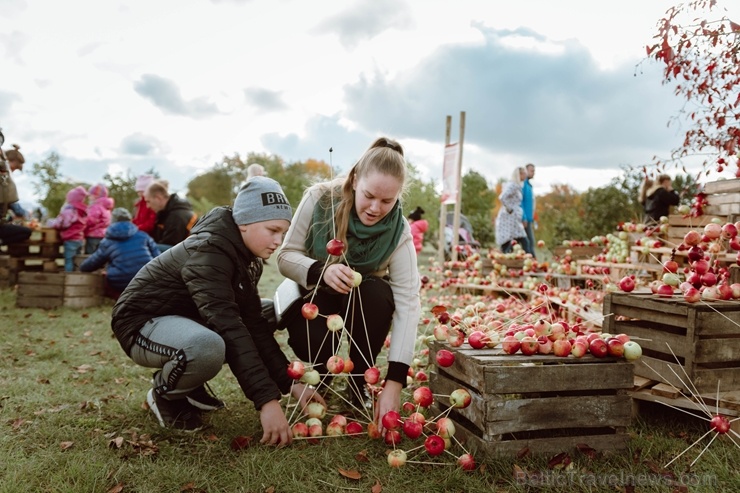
<point x="702" y="59"/>
<point x="121" y="189"/>
<point x="478" y="199"/>
<point x="51" y="184"/>
<point x="420" y="193"/>
<point x="560" y="214"/>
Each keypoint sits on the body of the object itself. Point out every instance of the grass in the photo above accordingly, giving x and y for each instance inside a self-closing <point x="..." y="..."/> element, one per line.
<point x="72" y="420"/>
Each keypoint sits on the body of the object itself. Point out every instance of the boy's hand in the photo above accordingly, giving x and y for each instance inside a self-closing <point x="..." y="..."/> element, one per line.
<point x="276" y="430"/>
<point x="305" y="395"/>
<point x="389" y="399"/>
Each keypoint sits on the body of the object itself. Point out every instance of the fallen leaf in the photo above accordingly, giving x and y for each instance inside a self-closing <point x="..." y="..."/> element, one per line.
<point x="586" y="450"/>
<point x="438" y="309"/>
<point x="87" y="333"/>
<point x="519" y="474"/>
<point x="53" y="315"/>
<point x="116" y="442"/>
<point x="362" y="456"/>
<point x="43" y="381"/>
<point x="270" y="489"/>
<point x="377" y="488"/>
<point x="85" y="315"/>
<point x="240" y="442"/>
<point x="559" y="461"/>
<point x="18" y="423"/>
<point x="211" y="438"/>
<point x="187" y="487"/>
<point x="116" y="489"/>
<point x="524" y="452"/>
<point x="66" y="445"/>
<point x="350" y="474"/>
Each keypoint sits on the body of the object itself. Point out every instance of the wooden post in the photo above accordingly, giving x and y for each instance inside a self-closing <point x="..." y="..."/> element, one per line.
<point x="456" y="218"/>
<point x="443" y="206"/>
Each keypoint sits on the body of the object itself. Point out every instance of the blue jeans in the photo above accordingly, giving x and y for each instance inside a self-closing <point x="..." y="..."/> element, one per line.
<point x="529" y="228"/>
<point x="71" y="248"/>
<point x="91" y="244"/>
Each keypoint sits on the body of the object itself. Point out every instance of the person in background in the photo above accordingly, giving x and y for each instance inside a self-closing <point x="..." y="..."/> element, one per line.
<point x="528" y="209"/>
<point x="71" y="223"/>
<point x="642" y="196"/>
<point x="9" y="233"/>
<point x="419" y="226"/>
<point x="15" y="161"/>
<point x="197" y="306"/>
<point x="509" y="225"/>
<point x="255" y="169"/>
<point x="660" y="197"/>
<point x="98" y="216"/>
<point x="124" y="250"/>
<point x="175" y="216"/>
<point x="144" y="218"/>
<point x="363" y="210"/>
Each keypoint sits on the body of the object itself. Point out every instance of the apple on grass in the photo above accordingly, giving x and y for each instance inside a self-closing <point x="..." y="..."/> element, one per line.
<point x="434" y="445"/>
<point x="466" y="462"/>
<point x="412" y="429"/>
<point x="353" y="428"/>
<point x="720" y="424"/>
<point x="315" y="410"/>
<point x="396" y="458"/>
<point x="334" y="429"/>
<point x="392" y="437"/>
<point x="300" y="430"/>
<point x="445" y="427"/>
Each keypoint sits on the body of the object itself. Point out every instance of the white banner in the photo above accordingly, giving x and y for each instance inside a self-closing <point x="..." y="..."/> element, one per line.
<point x="449" y="175"/>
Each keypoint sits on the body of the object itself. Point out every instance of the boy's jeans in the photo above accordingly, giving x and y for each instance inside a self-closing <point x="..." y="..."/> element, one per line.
<point x="71" y="248"/>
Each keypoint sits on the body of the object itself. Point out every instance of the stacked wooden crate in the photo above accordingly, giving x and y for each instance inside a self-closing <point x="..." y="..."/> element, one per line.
<point x="57" y="289"/>
<point x="543" y="403"/>
<point x="41" y="252"/>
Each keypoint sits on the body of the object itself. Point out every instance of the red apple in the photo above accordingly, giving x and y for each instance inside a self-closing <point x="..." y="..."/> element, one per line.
<point x="296" y="369"/>
<point x="440" y="332"/>
<point x="510" y="344"/>
<point x="372" y="430"/>
<point x="579" y="349"/>
<point x="412" y="429"/>
<point x="664" y="290"/>
<point x="466" y="461"/>
<point x="300" y="430"/>
<point x="372" y="375"/>
<point x="712" y="231"/>
<point x="334" y="429"/>
<point x="692" y="295"/>
<point x="335" y="364"/>
<point x="455" y="337"/>
<point x="417" y="417"/>
<point x="544" y="345"/>
<point x="421" y="376"/>
<point x="598" y="348"/>
<point x="353" y="428"/>
<point x="445" y="358"/>
<point x="692" y="238"/>
<point x="309" y="311"/>
<point x="627" y="284"/>
<point x="423" y="396"/>
<point x="445" y="427"/>
<point x="348" y="366"/>
<point x="434" y="445"/>
<point x="561" y="347"/>
<point x="615" y="347"/>
<point x="335" y="247"/>
<point x="392" y="437"/>
<point x="735" y="290"/>
<point x="460" y="398"/>
<point x="478" y="339"/>
<point x="529" y="346"/>
<point x="391" y="420"/>
<point x="720" y="424"/>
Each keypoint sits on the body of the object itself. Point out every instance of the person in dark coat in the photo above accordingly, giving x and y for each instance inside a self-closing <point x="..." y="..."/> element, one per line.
<point x="124" y="249"/>
<point x="660" y="197"/>
<point x="175" y="216"/>
<point x="197" y="306"/>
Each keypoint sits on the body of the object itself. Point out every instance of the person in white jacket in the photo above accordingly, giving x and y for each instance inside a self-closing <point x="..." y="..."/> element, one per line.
<point x="363" y="211"/>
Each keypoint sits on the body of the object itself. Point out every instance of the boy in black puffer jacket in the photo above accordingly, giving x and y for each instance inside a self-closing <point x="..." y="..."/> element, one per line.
<point x="196" y="306"/>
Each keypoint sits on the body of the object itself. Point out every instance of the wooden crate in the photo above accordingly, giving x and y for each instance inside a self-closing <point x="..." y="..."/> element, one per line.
<point x="704" y="339"/>
<point x="723" y="197"/>
<point x="545" y="403"/>
<point x="34" y="249"/>
<point x="53" y="290"/>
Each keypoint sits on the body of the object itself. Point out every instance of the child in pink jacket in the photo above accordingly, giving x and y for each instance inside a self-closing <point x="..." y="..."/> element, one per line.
<point x="419" y="226"/>
<point x="71" y="223"/>
<point x="98" y="216"/>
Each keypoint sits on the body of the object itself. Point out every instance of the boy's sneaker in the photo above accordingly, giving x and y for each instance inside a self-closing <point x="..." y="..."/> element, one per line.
<point x="178" y="414"/>
<point x="205" y="400"/>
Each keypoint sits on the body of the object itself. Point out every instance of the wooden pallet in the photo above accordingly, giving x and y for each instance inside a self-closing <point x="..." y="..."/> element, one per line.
<point x="723" y="197"/>
<point x="725" y="403"/>
<point x="492" y="289"/>
<point x="545" y="403"/>
<point x="702" y="339"/>
<point x="54" y="290"/>
<point x="578" y="252"/>
<point x="33" y="249"/>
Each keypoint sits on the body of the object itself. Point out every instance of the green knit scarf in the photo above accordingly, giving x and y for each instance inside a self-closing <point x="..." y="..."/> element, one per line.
<point x="368" y="246"/>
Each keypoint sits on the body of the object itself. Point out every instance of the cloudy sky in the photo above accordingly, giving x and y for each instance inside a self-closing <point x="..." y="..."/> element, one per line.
<point x="176" y="85"/>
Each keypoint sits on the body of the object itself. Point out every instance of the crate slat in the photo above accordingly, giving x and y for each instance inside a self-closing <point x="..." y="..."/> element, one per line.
<point x="722" y="186"/>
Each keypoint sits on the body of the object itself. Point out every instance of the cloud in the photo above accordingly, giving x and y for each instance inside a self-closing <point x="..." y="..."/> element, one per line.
<point x="520" y="99"/>
<point x="165" y="95"/>
<point x="139" y="144"/>
<point x="265" y="100"/>
<point x="366" y="20"/>
<point x="6" y="101"/>
<point x="13" y="44"/>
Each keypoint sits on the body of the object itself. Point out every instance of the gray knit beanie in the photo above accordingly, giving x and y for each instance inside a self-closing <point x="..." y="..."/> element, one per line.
<point x="261" y="199"/>
<point x="120" y="214"/>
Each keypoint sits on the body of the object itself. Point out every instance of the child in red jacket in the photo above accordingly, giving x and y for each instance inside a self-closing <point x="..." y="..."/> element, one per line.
<point x="71" y="223"/>
<point x="144" y="218"/>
